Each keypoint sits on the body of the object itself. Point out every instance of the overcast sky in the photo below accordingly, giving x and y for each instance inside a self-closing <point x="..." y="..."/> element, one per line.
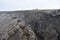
<point x="6" y="5"/>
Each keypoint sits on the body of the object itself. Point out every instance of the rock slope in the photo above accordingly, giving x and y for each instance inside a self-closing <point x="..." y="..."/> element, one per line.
<point x="23" y="31"/>
<point x="30" y="25"/>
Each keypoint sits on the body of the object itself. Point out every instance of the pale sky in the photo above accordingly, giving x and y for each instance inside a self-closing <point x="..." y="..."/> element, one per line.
<point x="6" y="5"/>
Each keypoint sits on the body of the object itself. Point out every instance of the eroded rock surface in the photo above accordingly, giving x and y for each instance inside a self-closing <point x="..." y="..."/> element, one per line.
<point x="19" y="29"/>
<point x="30" y="25"/>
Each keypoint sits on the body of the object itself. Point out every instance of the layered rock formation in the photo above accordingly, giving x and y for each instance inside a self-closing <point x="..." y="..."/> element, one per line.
<point x="20" y="27"/>
<point x="30" y="25"/>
